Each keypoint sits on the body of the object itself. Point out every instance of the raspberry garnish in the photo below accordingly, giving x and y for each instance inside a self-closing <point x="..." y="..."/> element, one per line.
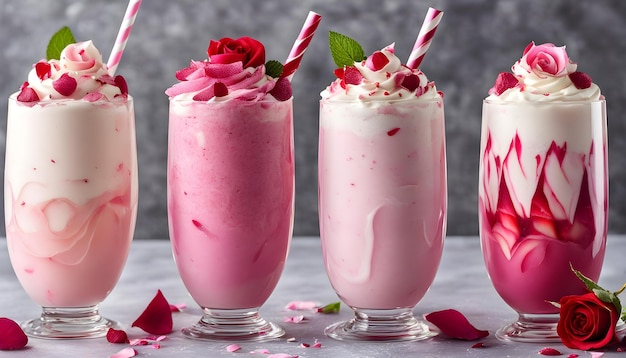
<point x="282" y="90"/>
<point x="580" y="80"/>
<point x="504" y="81"/>
<point x="352" y="76"/>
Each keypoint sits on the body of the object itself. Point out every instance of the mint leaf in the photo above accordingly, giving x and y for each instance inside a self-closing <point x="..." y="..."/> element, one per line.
<point x="330" y="308"/>
<point x="273" y="68"/>
<point x="57" y="43"/>
<point x="344" y="50"/>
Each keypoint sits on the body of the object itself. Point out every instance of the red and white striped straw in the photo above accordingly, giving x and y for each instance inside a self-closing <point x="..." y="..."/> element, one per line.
<point x="302" y="43"/>
<point x="425" y="36"/>
<point x="122" y="35"/>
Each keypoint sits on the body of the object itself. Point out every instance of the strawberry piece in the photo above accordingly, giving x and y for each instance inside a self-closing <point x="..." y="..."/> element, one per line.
<point x="352" y="76"/>
<point x="120" y="82"/>
<point x="157" y="317"/>
<point x="27" y="94"/>
<point x="377" y="61"/>
<point x="117" y="336"/>
<point x="580" y="80"/>
<point x="504" y="81"/>
<point x="340" y="72"/>
<point x="11" y="335"/>
<point x="411" y="82"/>
<point x="43" y="70"/>
<point x="282" y="90"/>
<point x="65" y="85"/>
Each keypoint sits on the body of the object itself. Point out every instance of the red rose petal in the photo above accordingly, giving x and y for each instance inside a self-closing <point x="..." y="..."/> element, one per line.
<point x="42" y="69"/>
<point x="376" y="61"/>
<point x="411" y="82"/>
<point x="11" y="335"/>
<point x="339" y="72"/>
<point x="393" y="132"/>
<point x="220" y="89"/>
<point x="205" y="95"/>
<point x="120" y="82"/>
<point x="572" y="355"/>
<point x="282" y="90"/>
<point x="157" y="317"/>
<point x="504" y="81"/>
<point x="93" y="96"/>
<point x="550" y="352"/>
<point x="178" y="307"/>
<point x="117" y="336"/>
<point x="478" y="345"/>
<point x="453" y="324"/>
<point x="352" y="76"/>
<point x="27" y="94"/>
<point x="65" y="85"/>
<point x="301" y="305"/>
<point x="580" y="80"/>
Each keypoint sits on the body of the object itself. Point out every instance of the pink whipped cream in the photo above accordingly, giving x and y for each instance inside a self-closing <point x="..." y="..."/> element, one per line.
<point x="381" y="77"/>
<point x="545" y="73"/>
<point x="78" y="74"/>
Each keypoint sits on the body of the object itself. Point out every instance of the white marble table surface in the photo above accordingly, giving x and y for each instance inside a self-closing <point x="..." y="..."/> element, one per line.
<point x="461" y="283"/>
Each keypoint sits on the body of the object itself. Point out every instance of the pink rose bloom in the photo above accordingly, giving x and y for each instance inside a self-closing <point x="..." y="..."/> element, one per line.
<point x="83" y="58"/>
<point x="546" y="60"/>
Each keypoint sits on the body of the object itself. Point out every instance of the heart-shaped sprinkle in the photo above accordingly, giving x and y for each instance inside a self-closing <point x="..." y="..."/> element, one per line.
<point x="411" y="82"/>
<point x="120" y="82"/>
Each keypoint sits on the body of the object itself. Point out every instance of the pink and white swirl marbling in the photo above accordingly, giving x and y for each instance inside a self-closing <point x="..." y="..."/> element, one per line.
<point x="542" y="198"/>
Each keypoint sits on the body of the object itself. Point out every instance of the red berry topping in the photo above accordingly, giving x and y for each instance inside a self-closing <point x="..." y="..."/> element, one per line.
<point x="220" y="89"/>
<point x="120" y="82"/>
<point x="339" y="72"/>
<point x="27" y="94"/>
<point x="65" y="85"/>
<point x="352" y="76"/>
<point x="42" y="69"/>
<point x="411" y="82"/>
<point x="282" y="90"/>
<point x="580" y="80"/>
<point x="376" y="61"/>
<point x="504" y="81"/>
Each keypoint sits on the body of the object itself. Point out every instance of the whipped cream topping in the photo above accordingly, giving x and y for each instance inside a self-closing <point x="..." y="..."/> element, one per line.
<point x="78" y="74"/>
<point x="544" y="74"/>
<point x="218" y="82"/>
<point x="381" y="77"/>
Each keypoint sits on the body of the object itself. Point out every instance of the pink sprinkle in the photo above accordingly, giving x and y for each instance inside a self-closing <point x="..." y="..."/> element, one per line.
<point x="139" y="342"/>
<point x="294" y="319"/>
<point x="233" y="348"/>
<point x="549" y="352"/>
<point x="572" y="355"/>
<point x="317" y="344"/>
<point x="125" y="353"/>
<point x="260" y="351"/>
<point x="301" y="305"/>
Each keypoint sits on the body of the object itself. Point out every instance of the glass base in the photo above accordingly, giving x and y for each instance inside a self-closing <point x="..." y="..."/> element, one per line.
<point x="243" y="325"/>
<point x="380" y="325"/>
<point x="531" y="328"/>
<point x="67" y="323"/>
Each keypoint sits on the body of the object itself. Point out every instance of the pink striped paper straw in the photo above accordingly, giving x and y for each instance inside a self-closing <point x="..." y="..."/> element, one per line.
<point x="302" y="42"/>
<point x="425" y="36"/>
<point x="122" y="35"/>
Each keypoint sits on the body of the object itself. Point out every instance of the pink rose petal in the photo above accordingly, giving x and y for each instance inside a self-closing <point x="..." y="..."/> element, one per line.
<point x="12" y="336"/>
<point x="157" y="317"/>
<point x="550" y="352"/>
<point x="294" y="319"/>
<point x="352" y="76"/>
<point x="93" y="97"/>
<point x="233" y="348"/>
<point x="65" y="85"/>
<point x="453" y="324"/>
<point x="478" y="345"/>
<point x="317" y="344"/>
<point x="304" y="345"/>
<point x="260" y="351"/>
<point x="178" y="307"/>
<point x="27" y="94"/>
<point x="138" y="342"/>
<point x="125" y="353"/>
<point x="301" y="305"/>
<point x="572" y="355"/>
<point x="377" y="61"/>
<point x="281" y="355"/>
<point x="596" y="354"/>
<point x="220" y="89"/>
<point x="117" y="336"/>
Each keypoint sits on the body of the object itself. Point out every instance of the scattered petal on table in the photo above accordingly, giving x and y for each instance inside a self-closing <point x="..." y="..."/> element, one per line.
<point x="157" y="317"/>
<point x="294" y="319"/>
<point x="233" y="348"/>
<point x="125" y="353"/>
<point x="454" y="324"/>
<point x="12" y="336"/>
<point x="550" y="352"/>
<point x="301" y="305"/>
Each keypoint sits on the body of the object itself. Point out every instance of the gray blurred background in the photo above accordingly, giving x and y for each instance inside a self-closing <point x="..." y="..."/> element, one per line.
<point x="476" y="40"/>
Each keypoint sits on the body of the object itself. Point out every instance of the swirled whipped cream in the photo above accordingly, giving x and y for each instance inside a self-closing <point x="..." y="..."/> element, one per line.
<point x="545" y="73"/>
<point x="78" y="74"/>
<point x="215" y="82"/>
<point x="381" y="77"/>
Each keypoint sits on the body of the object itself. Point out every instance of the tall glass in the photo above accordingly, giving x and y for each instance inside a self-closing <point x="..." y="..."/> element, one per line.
<point x="230" y="205"/>
<point x="382" y="210"/>
<point x="542" y="206"/>
<point x="70" y="208"/>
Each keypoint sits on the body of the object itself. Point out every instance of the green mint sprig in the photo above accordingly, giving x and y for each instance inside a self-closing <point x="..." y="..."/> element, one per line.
<point x="57" y="43"/>
<point x="273" y="68"/>
<point x="344" y="50"/>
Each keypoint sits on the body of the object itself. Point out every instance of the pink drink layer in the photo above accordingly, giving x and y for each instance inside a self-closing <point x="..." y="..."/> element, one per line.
<point x="382" y="199"/>
<point x="543" y="199"/>
<point x="230" y="198"/>
<point x="70" y="197"/>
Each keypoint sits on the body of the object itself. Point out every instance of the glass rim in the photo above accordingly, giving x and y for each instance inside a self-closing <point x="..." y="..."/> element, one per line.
<point x="13" y="98"/>
<point x="542" y="103"/>
<point x="230" y="100"/>
<point x="375" y="102"/>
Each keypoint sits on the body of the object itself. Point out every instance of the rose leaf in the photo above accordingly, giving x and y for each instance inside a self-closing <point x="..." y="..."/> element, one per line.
<point x="273" y="68"/>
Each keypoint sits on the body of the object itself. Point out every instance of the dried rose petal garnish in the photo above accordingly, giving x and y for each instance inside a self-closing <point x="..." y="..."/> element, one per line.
<point x="157" y="317"/>
<point x="178" y="307"/>
<point x="12" y="336"/>
<point x="117" y="336"/>
<point x="27" y="94"/>
<point x="504" y="81"/>
<point x="233" y="348"/>
<point x="125" y="353"/>
<point x="294" y="319"/>
<point x="301" y="305"/>
<point x="454" y="324"/>
<point x="478" y="345"/>
<point x="65" y="85"/>
<point x="550" y="352"/>
<point x="572" y="355"/>
<point x="317" y="344"/>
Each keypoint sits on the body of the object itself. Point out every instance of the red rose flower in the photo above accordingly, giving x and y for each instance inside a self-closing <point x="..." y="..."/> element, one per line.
<point x="586" y="322"/>
<point x="245" y="49"/>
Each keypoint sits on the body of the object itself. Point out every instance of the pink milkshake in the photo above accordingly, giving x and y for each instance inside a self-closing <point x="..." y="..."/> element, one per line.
<point x="70" y="189"/>
<point x="543" y="186"/>
<point x="230" y="190"/>
<point x="382" y="192"/>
